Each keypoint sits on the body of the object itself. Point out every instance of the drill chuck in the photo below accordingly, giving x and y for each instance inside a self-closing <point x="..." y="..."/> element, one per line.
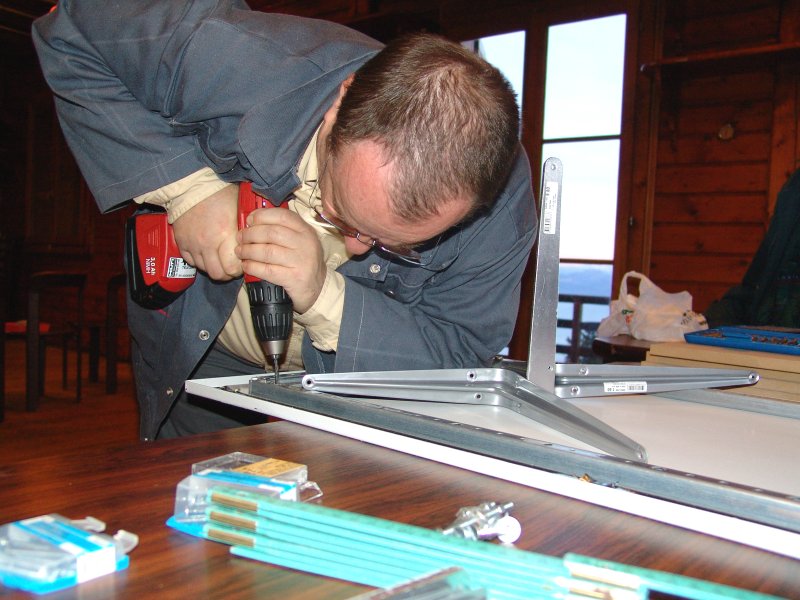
<point x="271" y="309"/>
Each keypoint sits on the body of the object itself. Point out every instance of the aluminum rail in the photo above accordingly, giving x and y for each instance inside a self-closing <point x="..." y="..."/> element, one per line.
<point x="492" y="387"/>
<point x="577" y="381"/>
<point x="506" y="389"/>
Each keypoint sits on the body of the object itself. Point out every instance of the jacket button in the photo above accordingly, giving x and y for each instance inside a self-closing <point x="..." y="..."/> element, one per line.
<point x="204" y="335"/>
<point x="170" y="392"/>
<point x="374" y="268"/>
<point x="390" y="293"/>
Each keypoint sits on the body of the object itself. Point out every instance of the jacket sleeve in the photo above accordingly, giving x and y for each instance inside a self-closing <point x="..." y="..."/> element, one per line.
<point x="461" y="315"/>
<point x="750" y="302"/>
<point x="111" y="118"/>
<point x="151" y="91"/>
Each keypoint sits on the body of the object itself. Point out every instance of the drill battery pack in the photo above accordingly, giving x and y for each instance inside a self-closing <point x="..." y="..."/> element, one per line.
<point x="157" y="274"/>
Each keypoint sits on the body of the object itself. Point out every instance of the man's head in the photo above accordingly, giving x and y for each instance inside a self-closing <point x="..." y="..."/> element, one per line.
<point x="436" y="124"/>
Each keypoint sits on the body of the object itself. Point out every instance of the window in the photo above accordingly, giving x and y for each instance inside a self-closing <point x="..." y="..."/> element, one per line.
<point x="582" y="127"/>
<point x="506" y="52"/>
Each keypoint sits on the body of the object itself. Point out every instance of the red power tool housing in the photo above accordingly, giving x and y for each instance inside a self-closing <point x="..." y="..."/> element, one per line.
<point x="157" y="274"/>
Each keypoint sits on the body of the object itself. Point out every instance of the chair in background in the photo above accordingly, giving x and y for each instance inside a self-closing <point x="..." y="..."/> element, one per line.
<point x="2" y="362"/>
<point x="38" y="334"/>
<point x="115" y="284"/>
<point x="110" y="324"/>
<point x="5" y="287"/>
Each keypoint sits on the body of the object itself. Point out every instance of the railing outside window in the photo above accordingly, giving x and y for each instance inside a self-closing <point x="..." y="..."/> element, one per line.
<point x="578" y="348"/>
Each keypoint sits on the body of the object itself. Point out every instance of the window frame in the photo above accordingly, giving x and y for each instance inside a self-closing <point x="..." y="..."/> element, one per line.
<point x="535" y="20"/>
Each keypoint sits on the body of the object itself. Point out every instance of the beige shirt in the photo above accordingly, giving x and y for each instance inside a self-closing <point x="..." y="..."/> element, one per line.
<point x="323" y="319"/>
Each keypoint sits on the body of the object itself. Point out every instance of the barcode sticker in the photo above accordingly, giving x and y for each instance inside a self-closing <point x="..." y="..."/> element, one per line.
<point x="549" y="208"/>
<point x="180" y="269"/>
<point x="625" y="387"/>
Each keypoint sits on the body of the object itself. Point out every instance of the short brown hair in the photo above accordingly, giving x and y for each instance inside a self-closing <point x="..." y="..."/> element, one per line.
<point x="446" y="117"/>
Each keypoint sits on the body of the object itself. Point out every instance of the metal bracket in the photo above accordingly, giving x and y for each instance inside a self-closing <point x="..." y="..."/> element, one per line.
<point x="506" y="389"/>
<point x="582" y="381"/>
<point x="578" y="381"/>
<point x="541" y="395"/>
<point x="492" y="387"/>
<point x="544" y="318"/>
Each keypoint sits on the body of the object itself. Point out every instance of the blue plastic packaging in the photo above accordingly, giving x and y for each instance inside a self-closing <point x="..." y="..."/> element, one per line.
<point x="50" y="552"/>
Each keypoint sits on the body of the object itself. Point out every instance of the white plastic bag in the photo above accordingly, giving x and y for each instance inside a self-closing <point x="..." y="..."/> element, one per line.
<point x="653" y="315"/>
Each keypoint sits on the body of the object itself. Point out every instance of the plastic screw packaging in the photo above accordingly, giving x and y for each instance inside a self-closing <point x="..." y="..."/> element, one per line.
<point x="191" y="495"/>
<point x="50" y="552"/>
<point x="239" y="470"/>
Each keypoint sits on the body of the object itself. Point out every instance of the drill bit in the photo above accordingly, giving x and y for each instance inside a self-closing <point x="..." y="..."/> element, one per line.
<point x="276" y="368"/>
<point x="273" y="350"/>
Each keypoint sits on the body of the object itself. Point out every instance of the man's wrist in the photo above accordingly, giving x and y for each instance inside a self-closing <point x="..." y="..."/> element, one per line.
<point x="180" y="196"/>
<point x="323" y="320"/>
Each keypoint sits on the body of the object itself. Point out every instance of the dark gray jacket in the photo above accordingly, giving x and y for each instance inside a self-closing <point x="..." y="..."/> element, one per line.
<point x="769" y="294"/>
<point x="150" y="91"/>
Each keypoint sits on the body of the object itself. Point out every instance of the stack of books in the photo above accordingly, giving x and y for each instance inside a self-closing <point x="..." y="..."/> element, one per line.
<point x="780" y="373"/>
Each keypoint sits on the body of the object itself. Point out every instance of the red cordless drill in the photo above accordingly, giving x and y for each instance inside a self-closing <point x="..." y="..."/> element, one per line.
<point x="157" y="275"/>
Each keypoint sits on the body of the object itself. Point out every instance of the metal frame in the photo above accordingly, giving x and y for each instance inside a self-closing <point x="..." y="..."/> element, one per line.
<point x="539" y="396"/>
<point x="756" y="505"/>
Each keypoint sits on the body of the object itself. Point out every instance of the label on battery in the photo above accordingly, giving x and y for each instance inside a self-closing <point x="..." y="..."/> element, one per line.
<point x="624" y="387"/>
<point x="177" y="268"/>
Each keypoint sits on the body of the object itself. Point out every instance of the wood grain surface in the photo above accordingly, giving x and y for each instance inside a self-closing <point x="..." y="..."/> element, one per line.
<point x="132" y="487"/>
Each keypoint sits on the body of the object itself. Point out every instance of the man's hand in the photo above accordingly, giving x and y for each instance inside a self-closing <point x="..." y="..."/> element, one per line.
<point x="279" y="247"/>
<point x="206" y="235"/>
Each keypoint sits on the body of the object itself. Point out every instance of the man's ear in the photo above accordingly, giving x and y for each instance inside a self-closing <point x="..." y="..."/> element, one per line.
<point x="343" y="88"/>
<point x="330" y="114"/>
<point x="330" y="118"/>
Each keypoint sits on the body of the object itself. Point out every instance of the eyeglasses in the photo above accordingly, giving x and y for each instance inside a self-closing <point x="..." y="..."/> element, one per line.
<point x="407" y="254"/>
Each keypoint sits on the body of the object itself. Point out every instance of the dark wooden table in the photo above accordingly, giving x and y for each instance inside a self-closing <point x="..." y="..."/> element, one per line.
<point x="132" y="487"/>
<point x="620" y="348"/>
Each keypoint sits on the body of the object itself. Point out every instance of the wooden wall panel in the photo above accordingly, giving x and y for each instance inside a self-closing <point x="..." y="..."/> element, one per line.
<point x="747" y="116"/>
<point x="730" y="26"/>
<point x="708" y="148"/>
<point x="333" y="10"/>
<point x="57" y="203"/>
<point x="694" y="26"/>
<point x="702" y="89"/>
<point x="711" y="178"/>
<point x="711" y="208"/>
<point x="724" y="238"/>
<point x="695" y="9"/>
<point x="726" y="142"/>
<point x="696" y="269"/>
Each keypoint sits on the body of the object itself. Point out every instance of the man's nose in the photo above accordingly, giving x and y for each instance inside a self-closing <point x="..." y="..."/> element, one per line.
<point x="355" y="247"/>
